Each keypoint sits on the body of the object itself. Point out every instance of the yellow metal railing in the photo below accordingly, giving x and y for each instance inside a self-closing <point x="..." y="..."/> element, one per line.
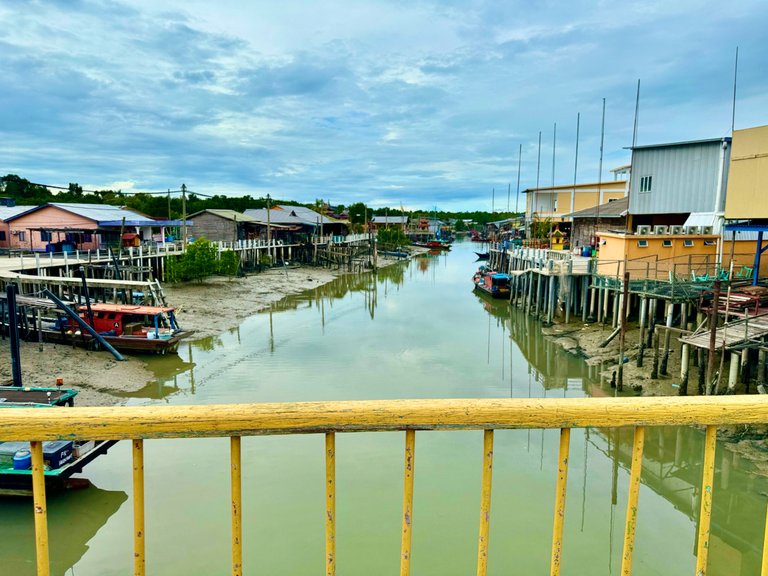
<point x="140" y="423"/>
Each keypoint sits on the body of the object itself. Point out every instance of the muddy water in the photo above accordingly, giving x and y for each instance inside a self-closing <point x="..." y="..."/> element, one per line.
<point x="414" y="331"/>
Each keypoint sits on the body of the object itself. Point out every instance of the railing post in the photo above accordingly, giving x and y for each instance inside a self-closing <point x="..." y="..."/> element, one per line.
<point x="634" y="492"/>
<point x="485" y="503"/>
<point x="707" y="485"/>
<point x="237" y="505"/>
<point x="138" y="508"/>
<point x="330" y="504"/>
<point x="562" y="481"/>
<point x="405" y="545"/>
<point x="40" y="507"/>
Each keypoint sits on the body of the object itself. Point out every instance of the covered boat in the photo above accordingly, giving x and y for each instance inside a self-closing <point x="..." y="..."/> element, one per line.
<point x="62" y="458"/>
<point x="128" y="328"/>
<point x="495" y="284"/>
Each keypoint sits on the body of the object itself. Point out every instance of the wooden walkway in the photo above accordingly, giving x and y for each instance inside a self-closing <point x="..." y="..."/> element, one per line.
<point x="732" y="334"/>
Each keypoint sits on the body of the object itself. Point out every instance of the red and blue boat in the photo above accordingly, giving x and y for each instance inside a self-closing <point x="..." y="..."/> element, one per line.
<point x="492" y="283"/>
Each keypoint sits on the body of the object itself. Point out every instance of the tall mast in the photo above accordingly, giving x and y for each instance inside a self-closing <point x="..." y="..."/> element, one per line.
<point x="575" y="163"/>
<point x="600" y="174"/>
<point x="519" y="160"/>
<point x="735" y="75"/>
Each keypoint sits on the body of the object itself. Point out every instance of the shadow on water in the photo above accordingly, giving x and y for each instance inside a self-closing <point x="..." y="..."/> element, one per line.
<point x="74" y="518"/>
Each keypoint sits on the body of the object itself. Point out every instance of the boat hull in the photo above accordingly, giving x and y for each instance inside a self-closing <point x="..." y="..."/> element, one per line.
<point x="134" y="344"/>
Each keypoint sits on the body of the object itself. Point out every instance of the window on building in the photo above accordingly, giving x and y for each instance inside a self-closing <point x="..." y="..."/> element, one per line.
<point x="2" y="235"/>
<point x="22" y="236"/>
<point x="710" y="243"/>
<point x="645" y="183"/>
<point x="87" y="237"/>
<point x="45" y="235"/>
<point x="666" y="243"/>
<point x="688" y="243"/>
<point x="642" y="243"/>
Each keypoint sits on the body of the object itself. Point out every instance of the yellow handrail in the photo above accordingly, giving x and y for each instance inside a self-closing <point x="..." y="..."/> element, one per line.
<point x="235" y="421"/>
<point x="127" y="423"/>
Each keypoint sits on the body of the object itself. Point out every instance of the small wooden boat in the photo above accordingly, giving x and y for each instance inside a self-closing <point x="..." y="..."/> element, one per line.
<point x="128" y="328"/>
<point x="483" y="255"/>
<point x="494" y="284"/>
<point x="62" y="458"/>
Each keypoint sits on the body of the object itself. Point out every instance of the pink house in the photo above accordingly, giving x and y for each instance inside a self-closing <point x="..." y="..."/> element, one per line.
<point x="5" y="230"/>
<point x="60" y="227"/>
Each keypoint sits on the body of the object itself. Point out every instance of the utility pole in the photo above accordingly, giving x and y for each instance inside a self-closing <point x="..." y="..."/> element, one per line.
<point x="269" y="222"/>
<point x="183" y="216"/>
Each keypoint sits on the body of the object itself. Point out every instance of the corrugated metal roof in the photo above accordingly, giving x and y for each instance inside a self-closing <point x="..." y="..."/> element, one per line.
<point x="390" y="220"/>
<point x="684" y="143"/>
<point x="233" y="215"/>
<point x="615" y="209"/>
<point x="96" y="212"/>
<point x="292" y="215"/>
<point x="11" y="211"/>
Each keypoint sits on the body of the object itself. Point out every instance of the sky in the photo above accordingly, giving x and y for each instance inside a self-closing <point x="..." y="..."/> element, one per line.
<point x="424" y="104"/>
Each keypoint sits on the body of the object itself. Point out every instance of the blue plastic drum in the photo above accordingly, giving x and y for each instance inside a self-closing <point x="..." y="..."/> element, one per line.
<point x="22" y="460"/>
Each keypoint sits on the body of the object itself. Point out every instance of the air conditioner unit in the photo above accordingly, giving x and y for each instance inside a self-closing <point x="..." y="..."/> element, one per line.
<point x="675" y="230"/>
<point x="660" y="230"/>
<point x="643" y="230"/>
<point x="692" y="230"/>
<point x="707" y="230"/>
<point x="14" y="232"/>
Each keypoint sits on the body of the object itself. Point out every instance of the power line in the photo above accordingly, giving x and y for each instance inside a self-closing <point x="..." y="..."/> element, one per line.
<point x="163" y="192"/>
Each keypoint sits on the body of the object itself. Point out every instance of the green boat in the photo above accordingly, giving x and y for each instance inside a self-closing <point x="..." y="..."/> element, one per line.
<point x="63" y="458"/>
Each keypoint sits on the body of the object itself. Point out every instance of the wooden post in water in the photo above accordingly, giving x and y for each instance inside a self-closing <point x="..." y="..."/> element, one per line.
<point x="622" y="334"/>
<point x="655" y="367"/>
<point x="684" y="362"/>
<point x="712" y="339"/>
<point x="733" y="373"/>
<point x="667" y="336"/>
<point x="643" y="313"/>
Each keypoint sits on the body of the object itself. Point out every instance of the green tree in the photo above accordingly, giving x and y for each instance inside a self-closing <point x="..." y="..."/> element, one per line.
<point x="197" y="263"/>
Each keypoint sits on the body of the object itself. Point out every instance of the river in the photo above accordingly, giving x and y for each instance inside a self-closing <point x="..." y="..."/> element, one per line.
<point x="415" y="330"/>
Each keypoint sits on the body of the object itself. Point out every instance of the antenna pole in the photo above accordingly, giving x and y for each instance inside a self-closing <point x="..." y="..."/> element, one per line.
<point x="509" y="192"/>
<point x="735" y="76"/>
<point x="576" y="162"/>
<point x="519" y="160"/>
<point x="600" y="175"/>
<point x="554" y="147"/>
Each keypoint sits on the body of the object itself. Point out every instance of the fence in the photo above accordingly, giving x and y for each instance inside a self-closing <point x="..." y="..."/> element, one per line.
<point x="329" y="418"/>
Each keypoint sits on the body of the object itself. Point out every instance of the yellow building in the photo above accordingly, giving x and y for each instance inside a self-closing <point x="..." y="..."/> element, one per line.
<point x="748" y="177"/>
<point x="557" y="202"/>
<point x="671" y="256"/>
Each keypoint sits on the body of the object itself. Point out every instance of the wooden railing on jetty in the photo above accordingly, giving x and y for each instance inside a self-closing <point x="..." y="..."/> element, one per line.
<point x="138" y="424"/>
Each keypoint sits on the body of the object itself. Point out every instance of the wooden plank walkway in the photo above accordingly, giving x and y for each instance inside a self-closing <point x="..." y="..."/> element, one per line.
<point x="734" y="333"/>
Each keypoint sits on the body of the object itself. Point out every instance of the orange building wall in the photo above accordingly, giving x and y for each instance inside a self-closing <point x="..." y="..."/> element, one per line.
<point x="658" y="261"/>
<point x="48" y="217"/>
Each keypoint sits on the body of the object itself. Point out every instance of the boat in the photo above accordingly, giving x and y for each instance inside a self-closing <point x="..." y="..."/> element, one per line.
<point x="483" y="255"/>
<point x="492" y="283"/>
<point x="126" y="327"/>
<point x="62" y="458"/>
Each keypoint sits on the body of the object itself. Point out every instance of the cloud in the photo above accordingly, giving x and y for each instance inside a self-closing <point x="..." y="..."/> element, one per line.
<point x="421" y="102"/>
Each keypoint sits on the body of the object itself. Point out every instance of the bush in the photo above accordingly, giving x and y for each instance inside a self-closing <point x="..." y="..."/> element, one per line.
<point x="197" y="263"/>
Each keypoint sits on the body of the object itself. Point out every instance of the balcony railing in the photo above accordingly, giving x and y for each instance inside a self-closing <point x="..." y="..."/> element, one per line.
<point x="138" y="424"/>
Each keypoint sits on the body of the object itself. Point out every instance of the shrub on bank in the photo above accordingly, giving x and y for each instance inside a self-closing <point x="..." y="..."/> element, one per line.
<point x="200" y="261"/>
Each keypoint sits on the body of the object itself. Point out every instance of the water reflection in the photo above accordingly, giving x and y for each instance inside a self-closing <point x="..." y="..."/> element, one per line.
<point x="74" y="518"/>
<point x="416" y="330"/>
